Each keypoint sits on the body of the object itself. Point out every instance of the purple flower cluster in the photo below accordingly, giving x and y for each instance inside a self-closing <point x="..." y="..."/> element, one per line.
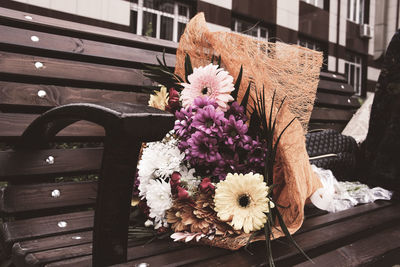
<point x="216" y="143"/>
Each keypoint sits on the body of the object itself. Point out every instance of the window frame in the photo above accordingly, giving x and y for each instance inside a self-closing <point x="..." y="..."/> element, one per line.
<point x="357" y="65"/>
<point x="315" y="3"/>
<point x="139" y="8"/>
<point x="258" y="27"/>
<point x="355" y="11"/>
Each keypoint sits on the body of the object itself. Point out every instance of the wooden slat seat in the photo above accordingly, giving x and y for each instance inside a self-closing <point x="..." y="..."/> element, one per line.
<point x="318" y="234"/>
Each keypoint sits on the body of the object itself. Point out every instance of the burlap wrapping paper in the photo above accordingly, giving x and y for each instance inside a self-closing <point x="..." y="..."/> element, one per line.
<point x="293" y="71"/>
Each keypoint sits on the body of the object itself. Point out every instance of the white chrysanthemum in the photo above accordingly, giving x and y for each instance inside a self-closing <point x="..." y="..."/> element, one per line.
<point x="159" y="200"/>
<point x="242" y="201"/>
<point x="159" y="160"/>
<point x="188" y="180"/>
<point x="211" y="81"/>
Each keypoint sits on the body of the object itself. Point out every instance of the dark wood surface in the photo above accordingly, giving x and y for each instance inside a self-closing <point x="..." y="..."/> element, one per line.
<point x="20" y="97"/>
<point x="33" y="197"/>
<point x="361" y="252"/>
<point x="17" y="18"/>
<point x="12" y="125"/>
<point x="70" y="47"/>
<point x="318" y="236"/>
<point x="69" y="72"/>
<point x="24" y="164"/>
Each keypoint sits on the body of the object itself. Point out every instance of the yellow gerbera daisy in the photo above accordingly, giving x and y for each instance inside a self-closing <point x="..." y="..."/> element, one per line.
<point x="242" y="201"/>
<point x="159" y="99"/>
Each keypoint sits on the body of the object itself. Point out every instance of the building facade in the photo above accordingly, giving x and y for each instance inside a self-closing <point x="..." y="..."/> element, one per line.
<point x="352" y="34"/>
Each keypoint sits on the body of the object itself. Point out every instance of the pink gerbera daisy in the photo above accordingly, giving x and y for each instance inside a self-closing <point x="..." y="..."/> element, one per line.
<point x="210" y="81"/>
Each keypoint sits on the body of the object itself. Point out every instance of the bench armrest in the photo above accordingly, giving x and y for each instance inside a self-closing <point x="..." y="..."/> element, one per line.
<point x="126" y="127"/>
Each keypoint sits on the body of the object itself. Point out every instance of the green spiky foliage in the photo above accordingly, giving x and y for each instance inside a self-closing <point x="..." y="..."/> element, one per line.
<point x="264" y="126"/>
<point x="163" y="75"/>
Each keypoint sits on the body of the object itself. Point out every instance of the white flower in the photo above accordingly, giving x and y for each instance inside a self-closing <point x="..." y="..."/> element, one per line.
<point x="159" y="160"/>
<point x="188" y="180"/>
<point x="159" y="200"/>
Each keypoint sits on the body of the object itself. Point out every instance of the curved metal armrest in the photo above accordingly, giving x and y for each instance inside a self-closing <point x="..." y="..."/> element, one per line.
<point x="126" y="127"/>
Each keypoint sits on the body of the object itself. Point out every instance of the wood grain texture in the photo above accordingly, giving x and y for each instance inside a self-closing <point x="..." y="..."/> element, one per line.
<point x="12" y="125"/>
<point x="367" y="251"/>
<point x="21" y="96"/>
<point x="316" y="242"/>
<point x="335" y="87"/>
<point x="336" y="101"/>
<point x="81" y="49"/>
<point x="21" y="249"/>
<point x="21" y="164"/>
<point x="331" y="115"/>
<point x="332" y="76"/>
<point x="21" y="230"/>
<point x="33" y="197"/>
<point x="12" y="17"/>
<point x="19" y="65"/>
<point x="156" y="254"/>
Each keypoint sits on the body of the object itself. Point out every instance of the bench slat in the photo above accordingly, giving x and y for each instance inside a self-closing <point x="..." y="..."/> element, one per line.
<point x="332" y="76"/>
<point x="338" y="126"/>
<point x="16" y="38"/>
<point x="12" y="125"/>
<point x="70" y="72"/>
<point x="332" y="100"/>
<point x="21" y="249"/>
<point x="22" y="198"/>
<point x="311" y="224"/>
<point x="23" y="164"/>
<point x="362" y="252"/>
<point x="22" y="96"/>
<point x="330" y="115"/>
<point x="20" y="230"/>
<point x="12" y="17"/>
<point x="335" y="87"/>
<point x="313" y="242"/>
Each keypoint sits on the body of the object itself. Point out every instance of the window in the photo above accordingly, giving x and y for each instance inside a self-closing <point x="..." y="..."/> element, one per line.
<point x="315" y="45"/>
<point x="317" y="3"/>
<point x="352" y="70"/>
<point x="252" y="29"/>
<point x="163" y="19"/>
<point x="355" y="11"/>
<point x="309" y="44"/>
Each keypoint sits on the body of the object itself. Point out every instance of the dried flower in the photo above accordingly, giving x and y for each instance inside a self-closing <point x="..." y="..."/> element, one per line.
<point x="159" y="99"/>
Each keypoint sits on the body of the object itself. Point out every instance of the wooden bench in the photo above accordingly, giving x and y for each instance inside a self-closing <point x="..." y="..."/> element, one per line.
<point x="48" y="212"/>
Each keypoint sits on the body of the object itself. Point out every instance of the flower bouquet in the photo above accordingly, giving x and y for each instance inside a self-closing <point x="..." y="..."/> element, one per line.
<point x="234" y="169"/>
<point x="210" y="180"/>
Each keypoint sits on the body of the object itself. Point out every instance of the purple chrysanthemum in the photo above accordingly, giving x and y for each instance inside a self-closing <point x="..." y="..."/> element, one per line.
<point x="183" y="122"/>
<point x="237" y="111"/>
<point x="234" y="132"/>
<point x="203" y="101"/>
<point x="209" y="120"/>
<point x="203" y="148"/>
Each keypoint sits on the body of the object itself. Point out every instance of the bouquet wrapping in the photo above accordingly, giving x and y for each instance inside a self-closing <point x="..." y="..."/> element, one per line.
<point x="235" y="163"/>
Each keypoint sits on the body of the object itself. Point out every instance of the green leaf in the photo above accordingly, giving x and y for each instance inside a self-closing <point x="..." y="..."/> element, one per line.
<point x="246" y="97"/>
<point x="268" y="233"/>
<point x="188" y="67"/>
<point x="237" y="84"/>
<point x="219" y="61"/>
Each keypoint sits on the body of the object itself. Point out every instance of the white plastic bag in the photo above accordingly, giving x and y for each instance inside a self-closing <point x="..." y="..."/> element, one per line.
<point x="337" y="196"/>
